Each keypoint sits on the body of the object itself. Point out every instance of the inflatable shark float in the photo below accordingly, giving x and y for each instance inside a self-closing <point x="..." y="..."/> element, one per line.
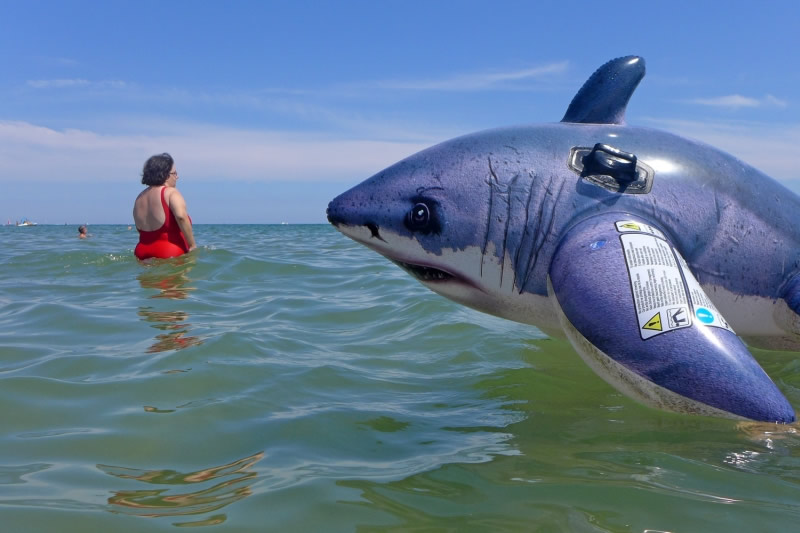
<point x="656" y="256"/>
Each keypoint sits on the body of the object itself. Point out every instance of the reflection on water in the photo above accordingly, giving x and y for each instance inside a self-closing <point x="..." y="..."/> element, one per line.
<point x="176" y="330"/>
<point x="216" y="487"/>
<point x="172" y="282"/>
<point x="767" y="434"/>
<point x="170" y="278"/>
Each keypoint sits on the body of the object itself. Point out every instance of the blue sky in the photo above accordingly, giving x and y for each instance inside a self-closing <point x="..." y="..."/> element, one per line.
<point x="271" y="108"/>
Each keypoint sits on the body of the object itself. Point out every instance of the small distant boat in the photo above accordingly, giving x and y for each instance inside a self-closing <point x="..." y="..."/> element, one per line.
<point x="26" y="222"/>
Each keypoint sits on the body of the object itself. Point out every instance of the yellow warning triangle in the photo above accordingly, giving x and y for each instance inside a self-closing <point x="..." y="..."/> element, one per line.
<point x="654" y="323"/>
<point x="631" y="225"/>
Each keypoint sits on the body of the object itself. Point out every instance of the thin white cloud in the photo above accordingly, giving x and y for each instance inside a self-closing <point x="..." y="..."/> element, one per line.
<point x="202" y="151"/>
<point x="474" y="81"/>
<point x="774" y="101"/>
<point x="57" y="84"/>
<point x="111" y="84"/>
<point x="271" y="104"/>
<point x="207" y="152"/>
<point x="737" y="101"/>
<point x="77" y="82"/>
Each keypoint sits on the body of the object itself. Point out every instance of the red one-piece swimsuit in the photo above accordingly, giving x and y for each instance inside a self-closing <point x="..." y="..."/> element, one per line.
<point x="166" y="241"/>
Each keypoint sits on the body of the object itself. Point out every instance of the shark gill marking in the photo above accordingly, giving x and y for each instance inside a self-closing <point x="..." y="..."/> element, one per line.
<point x="542" y="236"/>
<point x="489" y="216"/>
<point x="532" y="258"/>
<point x="526" y="230"/>
<point x="509" y="197"/>
<point x="500" y="205"/>
<point x="491" y="182"/>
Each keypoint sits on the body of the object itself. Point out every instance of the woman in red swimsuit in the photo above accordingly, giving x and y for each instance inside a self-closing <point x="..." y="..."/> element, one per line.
<point x="165" y="229"/>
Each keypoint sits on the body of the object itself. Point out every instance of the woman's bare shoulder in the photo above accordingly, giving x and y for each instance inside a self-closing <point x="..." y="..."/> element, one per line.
<point x="172" y="194"/>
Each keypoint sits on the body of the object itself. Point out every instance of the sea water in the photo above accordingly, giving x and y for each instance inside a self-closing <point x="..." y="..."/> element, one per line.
<point x="284" y="378"/>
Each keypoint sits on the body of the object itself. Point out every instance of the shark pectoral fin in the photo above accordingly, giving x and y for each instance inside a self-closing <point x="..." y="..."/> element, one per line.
<point x="634" y="312"/>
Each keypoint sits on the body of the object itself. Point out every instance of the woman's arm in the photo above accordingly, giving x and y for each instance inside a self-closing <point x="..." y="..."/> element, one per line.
<point x="178" y="207"/>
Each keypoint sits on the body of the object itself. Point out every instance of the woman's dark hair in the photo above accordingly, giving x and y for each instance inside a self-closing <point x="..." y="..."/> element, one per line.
<point x="156" y="170"/>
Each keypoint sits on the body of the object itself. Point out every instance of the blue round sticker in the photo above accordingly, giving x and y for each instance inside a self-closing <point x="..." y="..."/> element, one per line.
<point x="704" y="315"/>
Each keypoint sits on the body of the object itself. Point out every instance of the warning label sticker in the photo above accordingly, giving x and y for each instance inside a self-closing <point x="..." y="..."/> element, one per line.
<point x="702" y="307"/>
<point x="659" y="294"/>
<point x="627" y="226"/>
<point x="654" y="323"/>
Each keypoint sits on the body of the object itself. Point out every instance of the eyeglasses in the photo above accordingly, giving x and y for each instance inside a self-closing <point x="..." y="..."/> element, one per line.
<point x="174" y="173"/>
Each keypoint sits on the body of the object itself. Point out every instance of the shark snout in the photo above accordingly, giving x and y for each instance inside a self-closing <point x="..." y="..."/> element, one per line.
<point x="338" y="213"/>
<point x="339" y="216"/>
<point x="333" y="216"/>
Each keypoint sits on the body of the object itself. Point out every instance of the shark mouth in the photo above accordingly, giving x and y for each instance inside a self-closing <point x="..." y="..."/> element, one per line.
<point x="425" y="273"/>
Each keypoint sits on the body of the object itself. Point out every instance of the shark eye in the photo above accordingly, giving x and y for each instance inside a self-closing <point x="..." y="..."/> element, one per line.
<point x="419" y="217"/>
<point x="422" y="218"/>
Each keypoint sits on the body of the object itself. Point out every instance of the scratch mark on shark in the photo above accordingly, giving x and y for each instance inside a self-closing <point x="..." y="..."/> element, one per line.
<point x="526" y="230"/>
<point x="489" y="217"/>
<point x="499" y="220"/>
<point x="509" y="190"/>
<point x="542" y="236"/>
<point x="533" y="257"/>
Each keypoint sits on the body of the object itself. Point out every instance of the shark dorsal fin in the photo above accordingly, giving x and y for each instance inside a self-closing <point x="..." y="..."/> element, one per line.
<point x="604" y="96"/>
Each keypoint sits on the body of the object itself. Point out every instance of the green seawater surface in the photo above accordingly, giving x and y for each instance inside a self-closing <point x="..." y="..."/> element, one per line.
<point x="283" y="378"/>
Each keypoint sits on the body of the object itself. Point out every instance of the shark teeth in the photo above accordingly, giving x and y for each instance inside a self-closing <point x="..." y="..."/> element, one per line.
<point x="424" y="273"/>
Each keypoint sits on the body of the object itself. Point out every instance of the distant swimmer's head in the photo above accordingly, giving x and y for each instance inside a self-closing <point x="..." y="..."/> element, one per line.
<point x="158" y="169"/>
<point x="82" y="232"/>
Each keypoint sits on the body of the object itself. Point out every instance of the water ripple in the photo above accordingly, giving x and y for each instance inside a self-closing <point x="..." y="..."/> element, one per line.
<point x="284" y="378"/>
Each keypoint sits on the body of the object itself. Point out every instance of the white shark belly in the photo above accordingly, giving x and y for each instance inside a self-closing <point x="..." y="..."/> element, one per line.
<point x="498" y="292"/>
